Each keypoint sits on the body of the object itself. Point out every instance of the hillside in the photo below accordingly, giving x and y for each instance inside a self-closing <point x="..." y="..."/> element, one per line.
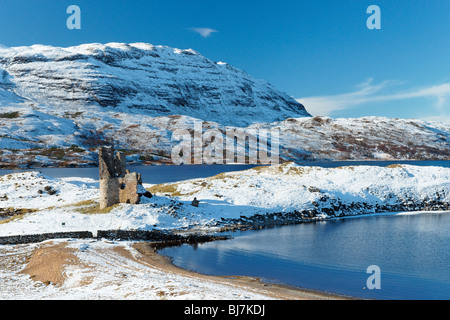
<point x="58" y="105"/>
<point x="141" y="78"/>
<point x="30" y="137"/>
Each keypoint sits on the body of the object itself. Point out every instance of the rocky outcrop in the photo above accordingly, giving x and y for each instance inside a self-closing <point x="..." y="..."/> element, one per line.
<point x="338" y="209"/>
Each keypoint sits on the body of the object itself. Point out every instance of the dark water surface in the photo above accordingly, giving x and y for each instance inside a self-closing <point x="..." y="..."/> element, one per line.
<point x="165" y="173"/>
<point x="150" y="174"/>
<point x="412" y="252"/>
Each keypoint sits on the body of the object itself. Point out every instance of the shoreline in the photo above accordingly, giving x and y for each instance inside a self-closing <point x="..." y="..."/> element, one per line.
<point x="149" y="257"/>
<point x="80" y="269"/>
<point x="288" y="292"/>
<point x="176" y="214"/>
<point x="275" y="291"/>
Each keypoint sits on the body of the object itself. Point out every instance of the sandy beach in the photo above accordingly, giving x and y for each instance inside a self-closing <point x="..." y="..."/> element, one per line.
<point x="68" y="269"/>
<point x="279" y="292"/>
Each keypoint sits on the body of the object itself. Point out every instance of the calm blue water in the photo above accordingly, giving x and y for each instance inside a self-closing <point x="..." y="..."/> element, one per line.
<point x="150" y="174"/>
<point x="412" y="252"/>
<point x="163" y="174"/>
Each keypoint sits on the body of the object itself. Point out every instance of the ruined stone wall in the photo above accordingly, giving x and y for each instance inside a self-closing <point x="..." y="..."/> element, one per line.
<point x="128" y="188"/>
<point x="109" y="192"/>
<point x="34" y="238"/>
<point x="127" y="235"/>
<point x="110" y="163"/>
<point x="117" y="184"/>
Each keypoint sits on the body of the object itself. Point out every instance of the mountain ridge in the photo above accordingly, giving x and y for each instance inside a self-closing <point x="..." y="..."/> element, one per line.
<point x="154" y="80"/>
<point x="58" y="105"/>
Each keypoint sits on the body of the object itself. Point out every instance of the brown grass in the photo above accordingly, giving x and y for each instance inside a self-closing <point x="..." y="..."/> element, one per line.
<point x="18" y="213"/>
<point x="392" y="166"/>
<point x="171" y="189"/>
<point x="9" y="115"/>
<point x="91" y="207"/>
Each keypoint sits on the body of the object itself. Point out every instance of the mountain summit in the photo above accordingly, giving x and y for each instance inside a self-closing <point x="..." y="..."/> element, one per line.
<point x="58" y="105"/>
<point x="141" y="78"/>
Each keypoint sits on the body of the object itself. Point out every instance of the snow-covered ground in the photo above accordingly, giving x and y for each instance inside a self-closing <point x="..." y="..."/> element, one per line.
<point x="97" y="271"/>
<point x="63" y="211"/>
<point x="280" y="190"/>
<point x="29" y="190"/>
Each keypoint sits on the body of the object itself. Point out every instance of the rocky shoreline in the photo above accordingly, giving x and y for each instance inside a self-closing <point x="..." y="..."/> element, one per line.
<point x="260" y="221"/>
<point x="161" y="239"/>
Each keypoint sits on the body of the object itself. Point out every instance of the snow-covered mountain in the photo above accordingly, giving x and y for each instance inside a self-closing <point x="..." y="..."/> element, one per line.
<point x="58" y="105"/>
<point x="141" y="78"/>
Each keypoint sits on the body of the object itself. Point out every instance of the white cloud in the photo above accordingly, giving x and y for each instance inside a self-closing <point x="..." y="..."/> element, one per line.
<point x="439" y="118"/>
<point x="368" y="92"/>
<point x="325" y="105"/>
<point x="204" y="32"/>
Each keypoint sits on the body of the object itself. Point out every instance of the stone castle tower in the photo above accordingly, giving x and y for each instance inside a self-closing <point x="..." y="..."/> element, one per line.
<point x="117" y="184"/>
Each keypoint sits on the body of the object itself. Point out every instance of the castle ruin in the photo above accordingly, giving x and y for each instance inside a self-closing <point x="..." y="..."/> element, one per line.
<point x="117" y="184"/>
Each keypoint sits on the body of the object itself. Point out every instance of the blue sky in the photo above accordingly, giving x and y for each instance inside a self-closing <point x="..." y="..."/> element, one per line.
<point x="320" y="52"/>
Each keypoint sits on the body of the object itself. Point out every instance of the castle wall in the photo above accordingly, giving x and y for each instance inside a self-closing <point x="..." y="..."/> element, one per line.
<point x="117" y="184"/>
<point x="128" y="188"/>
<point x="109" y="192"/>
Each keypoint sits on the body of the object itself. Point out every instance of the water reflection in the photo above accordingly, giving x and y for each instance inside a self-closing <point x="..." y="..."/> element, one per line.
<point x="411" y="250"/>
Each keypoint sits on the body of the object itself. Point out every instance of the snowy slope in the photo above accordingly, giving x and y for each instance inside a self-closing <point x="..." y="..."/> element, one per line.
<point x="39" y="136"/>
<point x="143" y="79"/>
<point x="366" y="138"/>
<point x="316" y="191"/>
<point x="287" y="193"/>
